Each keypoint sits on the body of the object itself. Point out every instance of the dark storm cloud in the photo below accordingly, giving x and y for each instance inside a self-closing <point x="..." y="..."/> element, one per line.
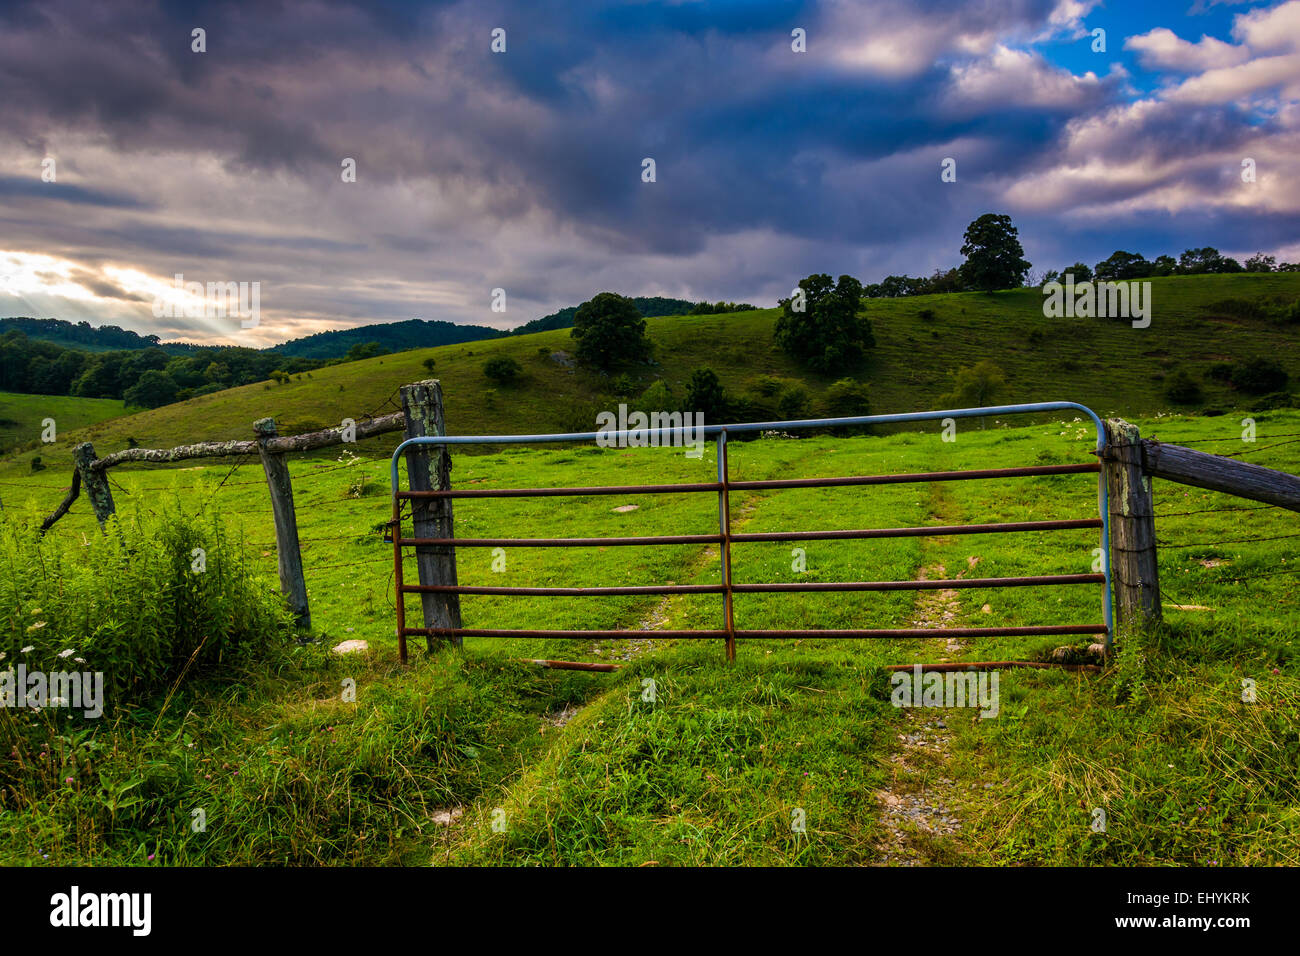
<point x="523" y="170"/>
<point x="35" y="188"/>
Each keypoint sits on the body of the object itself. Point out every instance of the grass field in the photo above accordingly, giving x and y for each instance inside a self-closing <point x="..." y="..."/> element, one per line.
<point x="1103" y="363"/>
<point x="22" y="417"/>
<point x="544" y="767"/>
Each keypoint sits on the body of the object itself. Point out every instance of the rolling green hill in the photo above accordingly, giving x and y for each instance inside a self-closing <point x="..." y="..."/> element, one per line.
<point x="1197" y="322"/>
<point x="21" y="416"/>
<point x="394" y="336"/>
<point x="647" y="305"/>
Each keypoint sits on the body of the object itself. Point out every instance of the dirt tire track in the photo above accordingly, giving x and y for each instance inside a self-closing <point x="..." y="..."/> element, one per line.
<point x="917" y="805"/>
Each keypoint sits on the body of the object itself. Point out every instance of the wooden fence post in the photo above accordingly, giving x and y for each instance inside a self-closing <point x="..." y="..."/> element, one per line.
<point x="292" y="583"/>
<point x="95" y="482"/>
<point x="431" y="517"/>
<point x="1133" y="567"/>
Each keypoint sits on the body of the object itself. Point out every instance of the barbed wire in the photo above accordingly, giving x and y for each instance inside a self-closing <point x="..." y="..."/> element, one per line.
<point x="317" y="540"/>
<point x="42" y="487"/>
<point x="386" y="402"/>
<point x="316" y="473"/>
<point x="1199" y="441"/>
<point x="1252" y="451"/>
<point x="347" y="564"/>
<point x="1215" y="544"/>
<point x="1183" y="514"/>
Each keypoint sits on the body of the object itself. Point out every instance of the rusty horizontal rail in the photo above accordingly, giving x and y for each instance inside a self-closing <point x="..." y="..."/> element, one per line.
<point x="847" y="481"/>
<point x="918" y="476"/>
<point x="846" y="535"/>
<point x="571" y="665"/>
<point x="820" y="633"/>
<point x="562" y="592"/>
<point x="575" y="635"/>
<point x="563" y="542"/>
<point x="941" y="584"/>
<point x="921" y="531"/>
<point x="947" y="667"/>
<point x="938" y="631"/>
<point x="562" y="492"/>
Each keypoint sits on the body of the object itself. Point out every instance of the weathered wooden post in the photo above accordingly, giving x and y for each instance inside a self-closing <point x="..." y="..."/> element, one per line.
<point x="292" y="583"/>
<point x="431" y="517"/>
<point x="95" y="482"/>
<point x="1132" y="559"/>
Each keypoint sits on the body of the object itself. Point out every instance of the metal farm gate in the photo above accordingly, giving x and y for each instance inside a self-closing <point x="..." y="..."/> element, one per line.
<point x="724" y="539"/>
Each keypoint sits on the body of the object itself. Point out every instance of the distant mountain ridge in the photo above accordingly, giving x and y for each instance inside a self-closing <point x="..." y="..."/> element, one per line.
<point x="80" y="335"/>
<point x="393" y="336"/>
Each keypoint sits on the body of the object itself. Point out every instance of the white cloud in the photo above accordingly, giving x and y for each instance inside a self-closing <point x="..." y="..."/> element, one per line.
<point x="1162" y="49"/>
<point x="1018" y="77"/>
<point x="1066" y="19"/>
<point x="1265" y="59"/>
<point x="1277" y="28"/>
<point x="1257" y="77"/>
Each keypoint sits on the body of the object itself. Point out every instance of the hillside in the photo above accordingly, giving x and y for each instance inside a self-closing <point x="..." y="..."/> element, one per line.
<point x="648" y="306"/>
<point x="1103" y="363"/>
<point x="21" y="415"/>
<point x="394" y="336"/>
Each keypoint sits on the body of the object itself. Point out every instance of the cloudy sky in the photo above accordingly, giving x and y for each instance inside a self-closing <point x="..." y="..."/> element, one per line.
<point x="523" y="170"/>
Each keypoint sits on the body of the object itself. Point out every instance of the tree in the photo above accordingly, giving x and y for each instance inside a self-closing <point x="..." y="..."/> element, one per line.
<point x="794" y="402"/>
<point x="1122" y="265"/>
<point x="609" y="330"/>
<point x="705" y="395"/>
<point x="1164" y="266"/>
<point x="1081" y="272"/>
<point x="994" y="257"/>
<point x="1182" y="389"/>
<point x="1206" y="260"/>
<point x="657" y="397"/>
<point x="152" y="389"/>
<point x="719" y="308"/>
<point x="137" y="363"/>
<point x="976" y="386"/>
<point x="1259" y="376"/>
<point x="183" y="371"/>
<point x="892" y="287"/>
<point x="99" y="379"/>
<point x="944" y="281"/>
<point x="1261" y="263"/>
<point x="847" y="398"/>
<point x="503" y="370"/>
<point x="430" y="364"/>
<point x="364" y="350"/>
<point x="820" y="326"/>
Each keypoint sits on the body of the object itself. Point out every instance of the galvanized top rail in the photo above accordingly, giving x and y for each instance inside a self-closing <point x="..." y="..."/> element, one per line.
<point x="682" y="435"/>
<point x="741" y="427"/>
